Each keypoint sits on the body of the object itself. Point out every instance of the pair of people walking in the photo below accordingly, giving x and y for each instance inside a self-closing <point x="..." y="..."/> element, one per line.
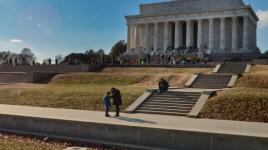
<point x="115" y="94"/>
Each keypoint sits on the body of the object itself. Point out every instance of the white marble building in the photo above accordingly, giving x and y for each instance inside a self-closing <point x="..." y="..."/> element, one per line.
<point x="217" y="26"/>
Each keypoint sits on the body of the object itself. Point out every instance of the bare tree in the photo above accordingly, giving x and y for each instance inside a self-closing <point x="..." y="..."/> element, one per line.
<point x="26" y="56"/>
<point x="59" y="59"/>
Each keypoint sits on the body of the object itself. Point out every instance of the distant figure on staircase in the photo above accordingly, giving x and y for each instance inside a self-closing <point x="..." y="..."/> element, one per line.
<point x="163" y="85"/>
<point x="117" y="100"/>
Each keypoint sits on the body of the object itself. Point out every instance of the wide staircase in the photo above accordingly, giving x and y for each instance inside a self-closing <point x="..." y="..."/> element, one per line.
<point x="211" y="81"/>
<point x="181" y="103"/>
<point x="170" y="103"/>
<point x="233" y="68"/>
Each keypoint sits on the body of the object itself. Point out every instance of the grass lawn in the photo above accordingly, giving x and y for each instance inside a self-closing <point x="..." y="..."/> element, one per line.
<point x="71" y="96"/>
<point x="248" y="101"/>
<point x="85" y="90"/>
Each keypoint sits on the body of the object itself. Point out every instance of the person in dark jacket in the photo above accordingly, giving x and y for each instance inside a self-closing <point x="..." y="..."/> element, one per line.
<point x="117" y="100"/>
<point x="160" y="85"/>
<point x="107" y="102"/>
<point x="165" y="85"/>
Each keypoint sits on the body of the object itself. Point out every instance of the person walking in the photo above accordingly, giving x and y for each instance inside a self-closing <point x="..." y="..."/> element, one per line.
<point x="107" y="102"/>
<point x="117" y="100"/>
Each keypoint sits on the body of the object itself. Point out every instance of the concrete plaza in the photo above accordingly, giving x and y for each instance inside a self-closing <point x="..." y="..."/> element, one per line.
<point x="142" y="131"/>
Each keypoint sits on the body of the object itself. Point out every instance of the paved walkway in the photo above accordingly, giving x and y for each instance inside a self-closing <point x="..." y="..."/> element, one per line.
<point x="143" y="120"/>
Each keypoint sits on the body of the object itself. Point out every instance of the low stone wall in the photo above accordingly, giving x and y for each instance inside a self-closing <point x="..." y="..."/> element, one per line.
<point x="208" y="65"/>
<point x="129" y="136"/>
<point x="52" y="68"/>
<point x="260" y="61"/>
<point x="23" y="77"/>
<point x="16" y="77"/>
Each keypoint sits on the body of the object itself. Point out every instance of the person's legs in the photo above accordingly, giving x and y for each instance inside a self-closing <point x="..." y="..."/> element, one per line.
<point x="117" y="111"/>
<point x="107" y="111"/>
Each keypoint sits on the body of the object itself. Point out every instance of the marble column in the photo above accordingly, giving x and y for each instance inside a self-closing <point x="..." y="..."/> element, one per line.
<point x="146" y="36"/>
<point x="129" y="38"/>
<point x="223" y="35"/>
<point x="199" y="34"/>
<point x="166" y="39"/>
<point x="133" y="37"/>
<point x="234" y="34"/>
<point x="177" y="34"/>
<point x="137" y="45"/>
<point x="156" y="36"/>
<point x="245" y="33"/>
<point x="211" y="34"/>
<point x="188" y="33"/>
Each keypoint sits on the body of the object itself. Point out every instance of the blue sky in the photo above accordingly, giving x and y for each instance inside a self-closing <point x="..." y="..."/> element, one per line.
<point x="52" y="27"/>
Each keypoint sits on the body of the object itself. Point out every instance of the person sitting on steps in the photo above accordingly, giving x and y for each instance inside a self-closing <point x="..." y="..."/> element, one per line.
<point x="163" y="85"/>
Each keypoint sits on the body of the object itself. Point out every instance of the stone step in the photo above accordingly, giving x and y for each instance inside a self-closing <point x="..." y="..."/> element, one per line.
<point x="175" y="93"/>
<point x="172" y="100"/>
<point x="173" y="97"/>
<point x="165" y="109"/>
<point x="169" y="104"/>
<point x="161" y="112"/>
<point x="166" y="106"/>
<point x="234" y="68"/>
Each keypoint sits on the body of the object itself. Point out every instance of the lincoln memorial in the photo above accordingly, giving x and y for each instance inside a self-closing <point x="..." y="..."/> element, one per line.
<point x="214" y="26"/>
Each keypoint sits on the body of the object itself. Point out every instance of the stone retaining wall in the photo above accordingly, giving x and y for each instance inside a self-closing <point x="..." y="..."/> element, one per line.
<point x="52" y="68"/>
<point x="129" y="136"/>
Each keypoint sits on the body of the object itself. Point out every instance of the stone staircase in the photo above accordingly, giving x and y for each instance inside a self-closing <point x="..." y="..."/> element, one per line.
<point x="170" y="103"/>
<point x="233" y="68"/>
<point x="211" y="81"/>
<point x="181" y="102"/>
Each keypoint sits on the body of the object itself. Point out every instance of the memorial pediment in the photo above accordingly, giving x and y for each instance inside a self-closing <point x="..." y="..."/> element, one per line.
<point x="178" y="6"/>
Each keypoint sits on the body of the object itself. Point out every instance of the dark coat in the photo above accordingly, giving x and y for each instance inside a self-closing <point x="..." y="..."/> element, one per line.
<point x="117" y="100"/>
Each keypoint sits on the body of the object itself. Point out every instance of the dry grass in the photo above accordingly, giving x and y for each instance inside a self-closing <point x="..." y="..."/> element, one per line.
<point x="254" y="80"/>
<point x="98" y="78"/>
<point x="259" y="69"/>
<point x="243" y="104"/>
<point x="71" y="96"/>
<point x="153" y="71"/>
<point x="8" y="142"/>
<point x="257" y="78"/>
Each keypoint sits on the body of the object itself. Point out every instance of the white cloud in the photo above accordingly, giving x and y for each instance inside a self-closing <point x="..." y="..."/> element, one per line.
<point x="39" y="25"/>
<point x="263" y="15"/>
<point x="15" y="40"/>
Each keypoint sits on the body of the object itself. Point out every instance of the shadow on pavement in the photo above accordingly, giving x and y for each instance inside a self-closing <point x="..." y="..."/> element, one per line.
<point x="134" y="120"/>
